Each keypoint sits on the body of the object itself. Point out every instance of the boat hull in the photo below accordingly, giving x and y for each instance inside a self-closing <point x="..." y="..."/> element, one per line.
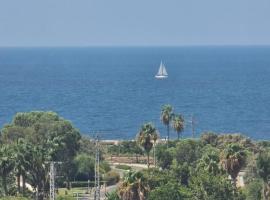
<point x="161" y="76"/>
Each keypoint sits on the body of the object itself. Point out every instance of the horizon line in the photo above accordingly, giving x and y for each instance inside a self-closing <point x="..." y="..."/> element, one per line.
<point x="134" y="46"/>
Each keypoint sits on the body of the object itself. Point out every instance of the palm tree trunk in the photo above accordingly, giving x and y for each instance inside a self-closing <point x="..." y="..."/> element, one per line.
<point x="155" y="154"/>
<point x="19" y="182"/>
<point x="4" y="182"/>
<point x="234" y="185"/>
<point x="266" y="191"/>
<point x="148" y="163"/>
<point x="178" y="135"/>
<point x="168" y="131"/>
<point x="23" y="180"/>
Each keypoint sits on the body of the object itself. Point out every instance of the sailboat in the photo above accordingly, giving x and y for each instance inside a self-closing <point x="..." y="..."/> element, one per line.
<point x="162" y="73"/>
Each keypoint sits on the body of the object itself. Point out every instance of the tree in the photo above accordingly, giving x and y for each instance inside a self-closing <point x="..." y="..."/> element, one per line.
<point x="178" y="124"/>
<point x="50" y="137"/>
<point x="85" y="166"/>
<point x="188" y="151"/>
<point x="170" y="191"/>
<point x="22" y="162"/>
<point x="253" y="190"/>
<point x="207" y="186"/>
<point x="166" y="116"/>
<point x="6" y="165"/>
<point x="210" y="160"/>
<point x="133" y="187"/>
<point x="164" y="156"/>
<point x="233" y="158"/>
<point x="146" y="137"/>
<point x="263" y="166"/>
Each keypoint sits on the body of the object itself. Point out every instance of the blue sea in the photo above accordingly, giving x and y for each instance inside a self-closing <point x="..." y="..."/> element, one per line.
<point x="112" y="90"/>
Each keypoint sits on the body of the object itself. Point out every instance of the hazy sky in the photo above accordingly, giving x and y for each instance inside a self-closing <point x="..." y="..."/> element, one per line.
<point x="133" y="22"/>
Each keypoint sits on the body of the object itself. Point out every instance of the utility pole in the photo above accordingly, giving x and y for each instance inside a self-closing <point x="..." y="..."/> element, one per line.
<point x="97" y="175"/>
<point x="52" y="175"/>
<point x="193" y="126"/>
<point x="52" y="179"/>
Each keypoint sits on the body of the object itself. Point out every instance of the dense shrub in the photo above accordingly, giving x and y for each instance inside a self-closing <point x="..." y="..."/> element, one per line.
<point x="111" y="178"/>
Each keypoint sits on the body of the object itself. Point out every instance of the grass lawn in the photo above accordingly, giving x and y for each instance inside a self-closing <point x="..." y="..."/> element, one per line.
<point x="64" y="194"/>
<point x="14" y="198"/>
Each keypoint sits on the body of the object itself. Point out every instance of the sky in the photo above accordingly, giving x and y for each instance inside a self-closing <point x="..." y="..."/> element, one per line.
<point x="134" y="22"/>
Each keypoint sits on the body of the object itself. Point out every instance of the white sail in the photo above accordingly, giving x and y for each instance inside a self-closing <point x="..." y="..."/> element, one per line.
<point x="162" y="73"/>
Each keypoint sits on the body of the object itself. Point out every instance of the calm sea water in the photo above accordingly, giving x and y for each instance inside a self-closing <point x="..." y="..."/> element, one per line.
<point x="113" y="90"/>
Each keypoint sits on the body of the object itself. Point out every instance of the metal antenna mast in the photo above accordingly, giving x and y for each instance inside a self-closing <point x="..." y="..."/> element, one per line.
<point x="52" y="175"/>
<point x="97" y="175"/>
<point x="52" y="179"/>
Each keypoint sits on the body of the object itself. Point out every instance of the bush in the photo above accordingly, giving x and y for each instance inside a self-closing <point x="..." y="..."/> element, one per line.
<point x="254" y="190"/>
<point x="112" y="196"/>
<point x="112" y="178"/>
<point x="105" y="167"/>
<point x="81" y="184"/>
<point x="123" y="167"/>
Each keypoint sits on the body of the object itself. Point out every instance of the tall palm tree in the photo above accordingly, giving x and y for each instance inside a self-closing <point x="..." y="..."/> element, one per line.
<point x="233" y="158"/>
<point x="133" y="187"/>
<point x="166" y="116"/>
<point x="6" y="165"/>
<point x="146" y="138"/>
<point x="178" y="124"/>
<point x="22" y="161"/>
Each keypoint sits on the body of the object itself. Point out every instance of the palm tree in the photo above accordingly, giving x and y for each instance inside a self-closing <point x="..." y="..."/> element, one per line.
<point x="146" y="138"/>
<point x="166" y="116"/>
<point x="6" y="165"/>
<point x="233" y="158"/>
<point x="133" y="187"/>
<point x="21" y="161"/>
<point x="263" y="165"/>
<point x="210" y="162"/>
<point x="178" y="124"/>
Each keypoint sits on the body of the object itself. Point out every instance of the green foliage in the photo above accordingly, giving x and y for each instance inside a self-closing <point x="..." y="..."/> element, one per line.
<point x="40" y="137"/>
<point x="207" y="186"/>
<point x="187" y="151"/>
<point x="85" y="165"/>
<point x="170" y="191"/>
<point x="126" y="148"/>
<point x="253" y="190"/>
<point x="209" y="138"/>
<point x="123" y="167"/>
<point x="112" y="196"/>
<point x="164" y="156"/>
<point x="104" y="167"/>
<point x="146" y="138"/>
<point x="221" y="141"/>
<point x="112" y="177"/>
<point x="166" y="117"/>
<point x="87" y="146"/>
<point x="233" y="160"/>
<point x="157" y="178"/>
<point x="133" y="187"/>
<point x="14" y="198"/>
<point x="6" y="166"/>
<point x="210" y="160"/>
<point x="178" y="124"/>
<point x="263" y="166"/>
<point x="181" y="172"/>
